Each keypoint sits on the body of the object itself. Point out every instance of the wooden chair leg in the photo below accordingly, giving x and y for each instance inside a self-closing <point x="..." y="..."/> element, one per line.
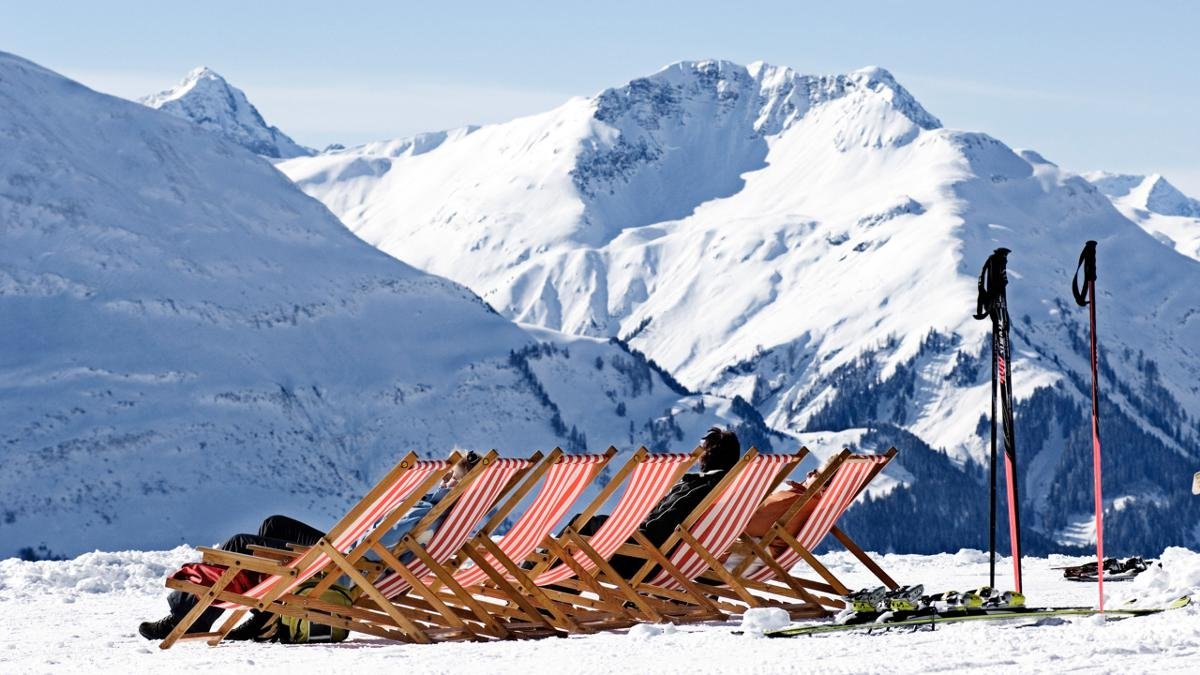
<point x="838" y="586"/>
<point x="406" y="624"/>
<point x="234" y="618"/>
<point x="781" y="574"/>
<point x="446" y="578"/>
<point x="863" y="557"/>
<point x="530" y="588"/>
<point x="202" y="603"/>
<point x="695" y="596"/>
<point x="716" y="566"/>
<point x="455" y="622"/>
<point x="615" y="579"/>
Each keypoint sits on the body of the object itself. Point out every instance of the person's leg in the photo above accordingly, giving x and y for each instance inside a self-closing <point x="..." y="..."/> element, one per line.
<point x="181" y="603"/>
<point x="289" y="529"/>
<point x="275" y="532"/>
<point x="590" y="527"/>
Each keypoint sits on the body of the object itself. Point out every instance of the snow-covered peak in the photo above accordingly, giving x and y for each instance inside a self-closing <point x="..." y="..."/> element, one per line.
<point x="201" y="76"/>
<point x="764" y="233"/>
<point x="780" y="93"/>
<point x="206" y="98"/>
<point x="1162" y="197"/>
<point x="1155" y="204"/>
<point x="1153" y="193"/>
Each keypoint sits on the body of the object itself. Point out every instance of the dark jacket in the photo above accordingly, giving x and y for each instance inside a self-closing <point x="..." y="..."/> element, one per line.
<point x="683" y="498"/>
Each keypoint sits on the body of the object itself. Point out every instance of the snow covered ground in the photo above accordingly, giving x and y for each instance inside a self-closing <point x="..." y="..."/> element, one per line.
<point x="81" y="615"/>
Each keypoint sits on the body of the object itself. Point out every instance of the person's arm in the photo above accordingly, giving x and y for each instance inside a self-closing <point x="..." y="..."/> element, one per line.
<point x="410" y="519"/>
<point x="659" y="526"/>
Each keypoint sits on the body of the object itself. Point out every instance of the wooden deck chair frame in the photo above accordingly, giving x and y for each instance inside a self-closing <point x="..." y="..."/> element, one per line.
<point x="691" y="601"/>
<point x="583" y="569"/>
<point x="374" y="610"/>
<point x="497" y="574"/>
<point x="776" y="579"/>
<point x="288" y="572"/>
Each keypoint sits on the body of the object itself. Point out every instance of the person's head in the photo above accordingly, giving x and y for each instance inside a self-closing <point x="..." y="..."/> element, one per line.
<point x="460" y="468"/>
<point x="721" y="450"/>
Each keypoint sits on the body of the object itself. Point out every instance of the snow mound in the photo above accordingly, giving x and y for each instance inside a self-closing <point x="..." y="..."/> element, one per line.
<point x="759" y="620"/>
<point x="646" y="631"/>
<point x="1176" y="575"/>
<point x="122" y="572"/>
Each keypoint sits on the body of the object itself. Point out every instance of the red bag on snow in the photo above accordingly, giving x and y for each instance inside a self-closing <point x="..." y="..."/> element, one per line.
<point x="207" y="575"/>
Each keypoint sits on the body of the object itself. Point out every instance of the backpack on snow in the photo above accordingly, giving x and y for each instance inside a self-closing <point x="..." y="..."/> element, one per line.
<point x="294" y="630"/>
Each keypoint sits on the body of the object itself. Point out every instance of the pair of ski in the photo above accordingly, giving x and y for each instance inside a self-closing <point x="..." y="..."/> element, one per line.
<point x="1114" y="570"/>
<point x="932" y="614"/>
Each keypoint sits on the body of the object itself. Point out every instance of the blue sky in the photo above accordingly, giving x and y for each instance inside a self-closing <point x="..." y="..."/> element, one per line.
<point x="1091" y="85"/>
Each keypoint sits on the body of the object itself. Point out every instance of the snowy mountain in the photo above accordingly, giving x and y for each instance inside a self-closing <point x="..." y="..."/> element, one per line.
<point x="188" y="343"/>
<point x="811" y="244"/>
<point x="1159" y="207"/>
<point x="204" y="97"/>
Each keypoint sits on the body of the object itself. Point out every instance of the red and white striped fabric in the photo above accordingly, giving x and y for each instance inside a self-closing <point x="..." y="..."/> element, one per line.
<point x="563" y="484"/>
<point x="844" y="487"/>
<point x="350" y="532"/>
<point x="724" y="519"/>
<point x="464" y="515"/>
<point x="649" y="481"/>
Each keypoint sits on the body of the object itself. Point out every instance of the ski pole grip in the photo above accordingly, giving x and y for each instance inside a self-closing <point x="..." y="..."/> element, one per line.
<point x="1087" y="262"/>
<point x="993" y="278"/>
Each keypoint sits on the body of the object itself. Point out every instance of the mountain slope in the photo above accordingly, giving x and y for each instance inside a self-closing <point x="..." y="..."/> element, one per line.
<point x="188" y="343"/>
<point x="808" y="243"/>
<point x="1159" y="207"/>
<point x="205" y="98"/>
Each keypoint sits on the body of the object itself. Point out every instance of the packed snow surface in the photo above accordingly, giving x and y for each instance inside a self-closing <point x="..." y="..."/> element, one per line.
<point x="81" y="616"/>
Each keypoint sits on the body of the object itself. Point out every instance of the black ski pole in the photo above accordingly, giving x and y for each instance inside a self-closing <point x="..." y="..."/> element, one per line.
<point x="982" y="308"/>
<point x="993" y="302"/>
<point x="1086" y="297"/>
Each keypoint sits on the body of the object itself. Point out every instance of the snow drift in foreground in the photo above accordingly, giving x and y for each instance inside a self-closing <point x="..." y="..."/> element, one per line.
<point x="81" y="615"/>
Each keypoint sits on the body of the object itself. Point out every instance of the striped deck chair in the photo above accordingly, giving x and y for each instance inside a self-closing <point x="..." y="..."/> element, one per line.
<point x="580" y="563"/>
<point x="835" y="489"/>
<point x="576" y="564"/>
<point x="705" y="535"/>
<point x="496" y="570"/>
<point x="375" y="613"/>
<point x="386" y="502"/>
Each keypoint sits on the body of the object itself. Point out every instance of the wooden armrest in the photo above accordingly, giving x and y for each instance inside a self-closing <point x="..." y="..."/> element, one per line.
<point x="272" y="553"/>
<point x="249" y="562"/>
<point x="633" y="550"/>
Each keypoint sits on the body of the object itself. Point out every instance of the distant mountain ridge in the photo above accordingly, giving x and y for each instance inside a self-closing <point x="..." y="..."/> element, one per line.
<point x="188" y="343"/>
<point x="1155" y="204"/>
<point x="207" y="99"/>
<point x="811" y="244"/>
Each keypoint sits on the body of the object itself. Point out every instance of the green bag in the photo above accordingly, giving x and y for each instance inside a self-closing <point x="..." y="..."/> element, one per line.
<point x="295" y="630"/>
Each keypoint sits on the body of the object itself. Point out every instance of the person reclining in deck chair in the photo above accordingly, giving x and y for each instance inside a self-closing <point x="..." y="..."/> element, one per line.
<point x="772" y="509"/>
<point x="721" y="451"/>
<point x="281" y="531"/>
